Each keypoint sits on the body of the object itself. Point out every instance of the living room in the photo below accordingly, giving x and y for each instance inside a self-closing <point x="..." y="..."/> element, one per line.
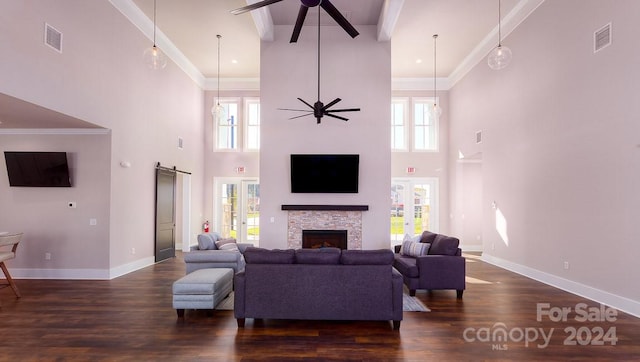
<point x="557" y="162"/>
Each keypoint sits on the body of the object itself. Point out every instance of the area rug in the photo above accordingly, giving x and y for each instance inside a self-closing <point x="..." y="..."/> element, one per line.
<point x="409" y="304"/>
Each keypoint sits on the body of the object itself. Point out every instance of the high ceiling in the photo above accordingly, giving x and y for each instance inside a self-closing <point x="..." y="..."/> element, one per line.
<point x="467" y="30"/>
<point x="461" y="25"/>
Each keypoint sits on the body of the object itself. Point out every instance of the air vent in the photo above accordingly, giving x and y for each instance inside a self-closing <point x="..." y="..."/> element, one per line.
<point x="479" y="137"/>
<point x="602" y="38"/>
<point x="180" y="143"/>
<point x="52" y="37"/>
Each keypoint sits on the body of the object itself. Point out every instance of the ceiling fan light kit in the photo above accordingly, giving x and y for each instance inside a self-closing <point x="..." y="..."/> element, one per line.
<point x="500" y="56"/>
<point x="153" y="57"/>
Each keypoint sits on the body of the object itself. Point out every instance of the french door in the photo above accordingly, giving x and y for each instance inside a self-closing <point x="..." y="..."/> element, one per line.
<point x="414" y="207"/>
<point x="238" y="209"/>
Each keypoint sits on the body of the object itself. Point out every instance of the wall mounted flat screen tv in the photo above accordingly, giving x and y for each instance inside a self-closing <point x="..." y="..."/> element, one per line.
<point x="37" y="169"/>
<point x="324" y="173"/>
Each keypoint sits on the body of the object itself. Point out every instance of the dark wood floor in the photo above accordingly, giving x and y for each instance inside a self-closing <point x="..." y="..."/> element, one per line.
<point x="131" y="318"/>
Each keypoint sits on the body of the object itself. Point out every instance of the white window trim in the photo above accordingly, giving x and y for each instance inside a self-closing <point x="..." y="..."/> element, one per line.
<point x="224" y="100"/>
<point x="247" y="101"/>
<point x="414" y="101"/>
<point x="406" y="123"/>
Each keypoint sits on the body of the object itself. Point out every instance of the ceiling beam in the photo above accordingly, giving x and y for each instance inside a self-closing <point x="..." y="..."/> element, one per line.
<point x="263" y="21"/>
<point x="388" y="18"/>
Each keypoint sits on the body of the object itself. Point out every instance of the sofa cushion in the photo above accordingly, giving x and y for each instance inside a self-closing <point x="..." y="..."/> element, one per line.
<point x="411" y="248"/>
<point x="407" y="237"/>
<point x="428" y="237"/>
<point x="208" y="241"/>
<point x="444" y="245"/>
<point x="367" y="257"/>
<point x="227" y="244"/>
<point x="406" y="265"/>
<point x="265" y="256"/>
<point x="318" y="256"/>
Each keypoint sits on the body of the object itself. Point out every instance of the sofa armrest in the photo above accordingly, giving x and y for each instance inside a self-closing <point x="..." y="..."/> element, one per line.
<point x="442" y="271"/>
<point x="243" y="246"/>
<point x="239" y="294"/>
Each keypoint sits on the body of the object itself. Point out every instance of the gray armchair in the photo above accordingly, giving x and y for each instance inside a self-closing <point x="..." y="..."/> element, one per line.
<point x="207" y="255"/>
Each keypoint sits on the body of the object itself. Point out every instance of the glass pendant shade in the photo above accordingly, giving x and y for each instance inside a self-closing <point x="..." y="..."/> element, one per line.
<point x="219" y="113"/>
<point x="436" y="110"/>
<point x="499" y="58"/>
<point x="154" y="58"/>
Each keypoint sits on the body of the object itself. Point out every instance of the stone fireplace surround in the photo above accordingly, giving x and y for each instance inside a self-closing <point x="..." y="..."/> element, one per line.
<point x="325" y="217"/>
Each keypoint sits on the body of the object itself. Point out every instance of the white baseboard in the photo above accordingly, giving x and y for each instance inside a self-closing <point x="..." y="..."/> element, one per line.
<point x="472" y="248"/>
<point x="624" y="304"/>
<point x="79" y="274"/>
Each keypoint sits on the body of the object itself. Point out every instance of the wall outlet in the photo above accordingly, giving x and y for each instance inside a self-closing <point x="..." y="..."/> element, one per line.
<point x="133" y="251"/>
<point x="47" y="256"/>
<point x="566" y="265"/>
<point x="93" y="222"/>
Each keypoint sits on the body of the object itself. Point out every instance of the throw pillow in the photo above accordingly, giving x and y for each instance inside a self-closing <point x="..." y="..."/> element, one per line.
<point x="411" y="248"/>
<point x="206" y="242"/>
<point x="407" y="237"/>
<point x="227" y="244"/>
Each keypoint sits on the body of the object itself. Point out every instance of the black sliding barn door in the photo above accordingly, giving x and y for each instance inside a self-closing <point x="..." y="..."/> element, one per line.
<point x="165" y="214"/>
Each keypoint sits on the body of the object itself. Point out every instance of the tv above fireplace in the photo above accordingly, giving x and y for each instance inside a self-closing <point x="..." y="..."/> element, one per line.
<point x="324" y="173"/>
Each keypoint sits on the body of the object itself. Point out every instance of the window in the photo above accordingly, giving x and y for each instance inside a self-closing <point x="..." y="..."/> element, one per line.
<point x="228" y="128"/>
<point x="413" y="128"/>
<point x="425" y="126"/>
<point x="252" y="121"/>
<point x="398" y="124"/>
<point x="240" y="130"/>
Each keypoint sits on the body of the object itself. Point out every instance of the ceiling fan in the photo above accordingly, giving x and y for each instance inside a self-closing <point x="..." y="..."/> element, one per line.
<point x="302" y="14"/>
<point x="320" y="109"/>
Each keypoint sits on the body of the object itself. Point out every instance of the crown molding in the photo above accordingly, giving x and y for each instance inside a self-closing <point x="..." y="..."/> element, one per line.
<point x="510" y="22"/>
<point x="55" y="131"/>
<point x="145" y="25"/>
<point x="232" y="84"/>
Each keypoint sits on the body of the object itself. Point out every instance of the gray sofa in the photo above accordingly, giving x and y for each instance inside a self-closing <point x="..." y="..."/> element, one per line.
<point x="318" y="284"/>
<point x="442" y="267"/>
<point x="206" y="254"/>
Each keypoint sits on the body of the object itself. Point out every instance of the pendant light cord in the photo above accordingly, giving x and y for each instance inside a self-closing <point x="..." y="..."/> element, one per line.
<point x="499" y="24"/>
<point x="435" y="37"/>
<point x="218" y="100"/>
<point x="154" y="23"/>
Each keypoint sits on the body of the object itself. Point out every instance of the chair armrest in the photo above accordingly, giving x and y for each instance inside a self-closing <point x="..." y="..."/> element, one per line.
<point x="442" y="271"/>
<point x="205" y="256"/>
<point x="239" y="296"/>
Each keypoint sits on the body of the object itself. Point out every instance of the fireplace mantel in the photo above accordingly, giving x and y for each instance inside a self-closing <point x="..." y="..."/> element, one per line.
<point x="326" y="207"/>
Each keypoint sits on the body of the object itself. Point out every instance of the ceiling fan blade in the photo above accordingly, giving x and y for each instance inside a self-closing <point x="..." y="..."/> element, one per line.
<point x="334" y="116"/>
<point x="302" y="115"/>
<point x="291" y="109"/>
<point x="302" y="14"/>
<point x="337" y="16"/>
<point x="344" y="110"/>
<point x="257" y="5"/>
<point x="302" y="100"/>
<point x="331" y="103"/>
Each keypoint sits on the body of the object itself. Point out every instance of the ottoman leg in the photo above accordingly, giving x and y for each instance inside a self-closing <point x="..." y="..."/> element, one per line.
<point x="180" y="313"/>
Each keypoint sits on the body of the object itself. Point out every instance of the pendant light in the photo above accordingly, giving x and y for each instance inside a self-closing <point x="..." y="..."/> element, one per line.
<point x="500" y="56"/>
<point x="153" y="57"/>
<point x="437" y="111"/>
<point x="218" y="111"/>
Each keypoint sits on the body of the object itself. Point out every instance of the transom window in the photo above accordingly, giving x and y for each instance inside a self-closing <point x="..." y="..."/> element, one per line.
<point x="240" y="128"/>
<point x="416" y="123"/>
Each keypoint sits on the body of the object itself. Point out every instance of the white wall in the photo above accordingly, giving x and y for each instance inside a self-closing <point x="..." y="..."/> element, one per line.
<point x="560" y="149"/>
<point x="100" y="77"/>
<point x="356" y="70"/>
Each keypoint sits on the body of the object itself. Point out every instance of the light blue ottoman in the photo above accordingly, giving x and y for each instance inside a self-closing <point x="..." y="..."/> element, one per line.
<point x="202" y="289"/>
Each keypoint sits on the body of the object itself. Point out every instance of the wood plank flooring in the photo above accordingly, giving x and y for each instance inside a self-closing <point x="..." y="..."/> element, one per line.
<point x="131" y="319"/>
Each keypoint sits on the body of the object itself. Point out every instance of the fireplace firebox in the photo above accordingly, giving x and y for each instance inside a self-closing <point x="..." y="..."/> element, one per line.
<point x="314" y="239"/>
